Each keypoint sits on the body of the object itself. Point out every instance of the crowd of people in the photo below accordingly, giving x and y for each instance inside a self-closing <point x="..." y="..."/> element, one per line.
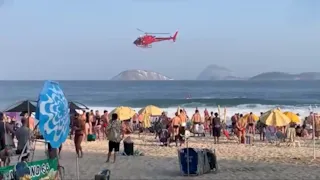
<point x="167" y="129"/>
<point x="9" y="130"/>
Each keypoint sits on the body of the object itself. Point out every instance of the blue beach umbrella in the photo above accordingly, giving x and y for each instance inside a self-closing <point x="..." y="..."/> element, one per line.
<point x="53" y="114"/>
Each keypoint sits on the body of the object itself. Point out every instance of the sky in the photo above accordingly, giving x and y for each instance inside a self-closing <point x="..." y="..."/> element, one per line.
<point x="92" y="40"/>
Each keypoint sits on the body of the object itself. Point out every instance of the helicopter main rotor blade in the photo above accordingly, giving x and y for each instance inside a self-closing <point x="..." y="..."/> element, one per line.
<point x="157" y="33"/>
<point x="140" y="30"/>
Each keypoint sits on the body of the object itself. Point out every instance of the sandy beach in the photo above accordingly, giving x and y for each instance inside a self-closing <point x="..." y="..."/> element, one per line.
<point x="236" y="161"/>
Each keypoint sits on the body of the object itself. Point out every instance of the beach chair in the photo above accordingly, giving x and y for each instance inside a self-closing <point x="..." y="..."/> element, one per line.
<point x="271" y="137"/>
<point x="280" y="138"/>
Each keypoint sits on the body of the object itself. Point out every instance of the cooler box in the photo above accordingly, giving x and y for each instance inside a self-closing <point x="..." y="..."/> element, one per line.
<point x="128" y="148"/>
<point x="91" y="137"/>
<point x="198" y="161"/>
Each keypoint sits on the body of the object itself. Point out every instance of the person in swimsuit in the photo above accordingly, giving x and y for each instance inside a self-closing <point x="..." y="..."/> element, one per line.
<point x="98" y="124"/>
<point x="234" y="120"/>
<point x="241" y="128"/>
<point x="196" y="119"/>
<point x="175" y="124"/>
<point x="79" y="132"/>
<point x="183" y="118"/>
<point x="251" y="124"/>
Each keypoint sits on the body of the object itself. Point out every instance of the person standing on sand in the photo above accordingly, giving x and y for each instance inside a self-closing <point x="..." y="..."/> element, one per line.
<point x="114" y="135"/>
<point x="105" y="121"/>
<point x="234" y="120"/>
<point x="182" y="117"/>
<point x="175" y="124"/>
<point x="262" y="128"/>
<point x="79" y="132"/>
<point x="196" y="119"/>
<point x="98" y="124"/>
<point x="182" y="128"/>
<point x="241" y="128"/>
<point x="216" y="128"/>
<point x="251" y="124"/>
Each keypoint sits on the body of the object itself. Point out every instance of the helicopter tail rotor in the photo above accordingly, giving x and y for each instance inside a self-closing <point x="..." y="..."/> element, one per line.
<point x="175" y="36"/>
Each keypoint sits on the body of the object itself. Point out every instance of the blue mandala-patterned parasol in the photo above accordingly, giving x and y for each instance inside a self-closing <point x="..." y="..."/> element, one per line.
<point x="53" y="114"/>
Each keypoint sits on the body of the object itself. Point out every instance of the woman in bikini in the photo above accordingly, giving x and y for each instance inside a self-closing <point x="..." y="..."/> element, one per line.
<point x="241" y="128"/>
<point x="79" y="131"/>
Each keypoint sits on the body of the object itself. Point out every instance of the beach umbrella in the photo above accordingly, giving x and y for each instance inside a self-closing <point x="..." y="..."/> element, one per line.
<point x="255" y="117"/>
<point x="275" y="117"/>
<point x="53" y="114"/>
<point x="293" y="117"/>
<point x="73" y="106"/>
<point x="124" y="113"/>
<point x="151" y="110"/>
<point x="146" y="123"/>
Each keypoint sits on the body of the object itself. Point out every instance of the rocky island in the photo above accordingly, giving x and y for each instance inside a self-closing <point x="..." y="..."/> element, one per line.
<point x="215" y="72"/>
<point x="274" y="76"/>
<point x="140" y="75"/>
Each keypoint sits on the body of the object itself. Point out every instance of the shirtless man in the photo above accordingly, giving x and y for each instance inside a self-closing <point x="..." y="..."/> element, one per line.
<point x="183" y="117"/>
<point x="251" y="124"/>
<point x="234" y="120"/>
<point x="105" y="121"/>
<point x="175" y="124"/>
<point x="196" y="119"/>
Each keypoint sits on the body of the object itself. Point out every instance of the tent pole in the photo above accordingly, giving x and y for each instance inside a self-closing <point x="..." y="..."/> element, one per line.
<point x="28" y="109"/>
<point x="77" y="170"/>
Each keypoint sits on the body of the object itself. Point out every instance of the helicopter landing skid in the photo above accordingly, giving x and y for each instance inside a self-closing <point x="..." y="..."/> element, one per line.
<point x="146" y="46"/>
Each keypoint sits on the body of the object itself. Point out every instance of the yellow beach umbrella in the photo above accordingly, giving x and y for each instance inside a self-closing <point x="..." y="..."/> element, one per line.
<point x="293" y="117"/>
<point x="255" y="117"/>
<point x="146" y="123"/>
<point x="275" y="117"/>
<point x="151" y="110"/>
<point x="124" y="113"/>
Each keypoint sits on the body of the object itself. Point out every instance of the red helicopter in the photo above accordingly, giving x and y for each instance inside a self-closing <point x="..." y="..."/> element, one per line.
<point x="145" y="41"/>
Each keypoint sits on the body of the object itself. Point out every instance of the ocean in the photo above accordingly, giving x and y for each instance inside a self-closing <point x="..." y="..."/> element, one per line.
<point x="236" y="96"/>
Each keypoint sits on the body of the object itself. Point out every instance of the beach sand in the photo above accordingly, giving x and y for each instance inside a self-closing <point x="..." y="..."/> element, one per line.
<point x="260" y="161"/>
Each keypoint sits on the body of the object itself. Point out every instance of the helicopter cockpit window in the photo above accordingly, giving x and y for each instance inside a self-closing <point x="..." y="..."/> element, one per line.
<point x="138" y="40"/>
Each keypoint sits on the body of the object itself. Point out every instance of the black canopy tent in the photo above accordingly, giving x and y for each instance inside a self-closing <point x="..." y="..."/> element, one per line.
<point x="74" y="105"/>
<point x="28" y="106"/>
<point x="25" y="106"/>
